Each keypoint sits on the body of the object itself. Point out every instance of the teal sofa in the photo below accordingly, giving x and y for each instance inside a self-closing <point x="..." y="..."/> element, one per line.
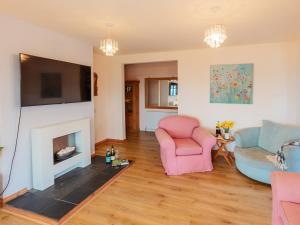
<point x="253" y="145"/>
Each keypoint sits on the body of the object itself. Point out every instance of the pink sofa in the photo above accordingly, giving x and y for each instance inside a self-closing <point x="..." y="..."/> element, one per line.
<point x="286" y="198"/>
<point x="184" y="146"/>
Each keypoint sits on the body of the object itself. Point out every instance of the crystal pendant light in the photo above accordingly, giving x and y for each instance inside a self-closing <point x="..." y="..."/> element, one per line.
<point x="109" y="46"/>
<point x="215" y="36"/>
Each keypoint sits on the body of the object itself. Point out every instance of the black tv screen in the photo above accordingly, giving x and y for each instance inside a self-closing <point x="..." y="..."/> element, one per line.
<point x="47" y="81"/>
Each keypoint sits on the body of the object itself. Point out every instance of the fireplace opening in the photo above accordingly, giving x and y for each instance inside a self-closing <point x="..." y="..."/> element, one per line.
<point x="64" y="147"/>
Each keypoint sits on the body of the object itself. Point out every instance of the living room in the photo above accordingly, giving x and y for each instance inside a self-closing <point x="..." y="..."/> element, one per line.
<point x="258" y="39"/>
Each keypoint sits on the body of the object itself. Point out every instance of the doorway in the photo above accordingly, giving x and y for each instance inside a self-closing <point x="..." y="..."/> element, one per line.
<point x="151" y="90"/>
<point x="132" y="106"/>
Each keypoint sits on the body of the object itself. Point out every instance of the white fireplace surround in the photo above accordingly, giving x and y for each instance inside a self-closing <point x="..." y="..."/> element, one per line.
<point x="44" y="170"/>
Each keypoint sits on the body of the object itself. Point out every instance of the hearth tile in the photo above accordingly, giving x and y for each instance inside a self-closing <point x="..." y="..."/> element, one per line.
<point x="78" y="195"/>
<point x="42" y="205"/>
<point x="68" y="191"/>
<point x="57" y="209"/>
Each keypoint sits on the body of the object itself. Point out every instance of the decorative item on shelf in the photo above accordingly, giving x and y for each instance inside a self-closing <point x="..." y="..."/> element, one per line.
<point x="1" y="148"/>
<point x="109" y="46"/>
<point x="128" y="89"/>
<point x="226" y="126"/>
<point x="120" y="162"/>
<point x="65" y="153"/>
<point x="215" y="35"/>
<point x="95" y="84"/>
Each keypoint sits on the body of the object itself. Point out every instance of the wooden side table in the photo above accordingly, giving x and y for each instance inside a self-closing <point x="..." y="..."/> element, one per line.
<point x="222" y="150"/>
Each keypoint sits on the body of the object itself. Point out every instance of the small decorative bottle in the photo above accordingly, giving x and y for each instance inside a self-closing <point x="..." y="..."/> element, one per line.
<point x="107" y="156"/>
<point x="218" y="129"/>
<point x="112" y="154"/>
<point x="117" y="156"/>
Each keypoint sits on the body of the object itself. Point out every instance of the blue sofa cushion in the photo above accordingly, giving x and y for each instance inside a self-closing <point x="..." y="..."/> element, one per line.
<point x="255" y="156"/>
<point x="247" y="137"/>
<point x="273" y="135"/>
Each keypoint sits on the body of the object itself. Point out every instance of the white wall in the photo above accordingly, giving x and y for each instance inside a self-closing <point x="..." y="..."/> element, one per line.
<point x="108" y="114"/>
<point x="276" y="84"/>
<point x="16" y="37"/>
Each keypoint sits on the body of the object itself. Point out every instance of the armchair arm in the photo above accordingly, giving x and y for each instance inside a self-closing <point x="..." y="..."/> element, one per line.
<point x="248" y="137"/>
<point x="286" y="186"/>
<point x="167" y="150"/>
<point x="204" y="138"/>
<point x="164" y="139"/>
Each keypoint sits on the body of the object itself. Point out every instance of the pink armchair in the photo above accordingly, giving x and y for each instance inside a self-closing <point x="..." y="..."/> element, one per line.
<point x="184" y="146"/>
<point x="286" y="198"/>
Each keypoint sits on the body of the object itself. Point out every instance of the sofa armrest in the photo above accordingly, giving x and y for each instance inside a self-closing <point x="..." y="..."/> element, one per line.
<point x="248" y="137"/>
<point x="165" y="140"/>
<point x="204" y="138"/>
<point x="292" y="157"/>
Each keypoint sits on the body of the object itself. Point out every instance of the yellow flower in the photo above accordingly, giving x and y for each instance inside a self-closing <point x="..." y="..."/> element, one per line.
<point x="227" y="124"/>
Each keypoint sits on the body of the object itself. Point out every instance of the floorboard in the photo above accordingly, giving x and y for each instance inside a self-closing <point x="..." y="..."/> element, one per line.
<point x="145" y="195"/>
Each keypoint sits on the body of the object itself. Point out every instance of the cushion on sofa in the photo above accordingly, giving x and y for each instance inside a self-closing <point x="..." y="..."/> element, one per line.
<point x="253" y="163"/>
<point x="187" y="146"/>
<point x="274" y="135"/>
<point x="290" y="213"/>
<point x="255" y="156"/>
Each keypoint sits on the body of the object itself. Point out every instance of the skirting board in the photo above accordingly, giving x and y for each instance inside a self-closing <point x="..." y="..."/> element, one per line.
<point x="108" y="140"/>
<point x="12" y="196"/>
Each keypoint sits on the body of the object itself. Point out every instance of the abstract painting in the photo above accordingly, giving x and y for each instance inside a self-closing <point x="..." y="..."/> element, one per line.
<point x="231" y="84"/>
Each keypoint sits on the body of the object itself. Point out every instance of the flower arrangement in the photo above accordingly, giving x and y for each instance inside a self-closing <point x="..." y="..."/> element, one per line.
<point x="226" y="126"/>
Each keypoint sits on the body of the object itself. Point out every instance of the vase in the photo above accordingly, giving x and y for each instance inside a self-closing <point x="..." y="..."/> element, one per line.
<point x="226" y="136"/>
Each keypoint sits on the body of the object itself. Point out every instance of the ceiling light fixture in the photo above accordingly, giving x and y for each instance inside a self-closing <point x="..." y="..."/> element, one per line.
<point x="109" y="46"/>
<point x="215" y="36"/>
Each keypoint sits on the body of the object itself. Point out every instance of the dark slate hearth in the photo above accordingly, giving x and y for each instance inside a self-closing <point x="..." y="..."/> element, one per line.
<point x="68" y="191"/>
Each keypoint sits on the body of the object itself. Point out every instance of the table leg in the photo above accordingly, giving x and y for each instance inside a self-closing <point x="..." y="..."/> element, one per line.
<point x="227" y="158"/>
<point x="219" y="151"/>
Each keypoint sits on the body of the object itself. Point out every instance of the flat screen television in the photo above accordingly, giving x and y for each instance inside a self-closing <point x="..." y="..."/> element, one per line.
<point x="47" y="81"/>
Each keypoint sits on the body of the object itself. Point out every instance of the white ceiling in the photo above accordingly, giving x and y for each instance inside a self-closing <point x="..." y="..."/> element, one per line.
<point x="159" y="25"/>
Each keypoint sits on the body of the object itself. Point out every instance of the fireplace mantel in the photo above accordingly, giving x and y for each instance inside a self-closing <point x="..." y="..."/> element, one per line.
<point x="44" y="169"/>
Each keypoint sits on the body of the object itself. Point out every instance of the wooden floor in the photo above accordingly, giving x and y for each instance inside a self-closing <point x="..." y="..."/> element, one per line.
<point x="145" y="195"/>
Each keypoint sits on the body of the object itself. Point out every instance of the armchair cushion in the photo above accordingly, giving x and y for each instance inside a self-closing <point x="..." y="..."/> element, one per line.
<point x="274" y="135"/>
<point x="179" y="126"/>
<point x="289" y="213"/>
<point x="187" y="146"/>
